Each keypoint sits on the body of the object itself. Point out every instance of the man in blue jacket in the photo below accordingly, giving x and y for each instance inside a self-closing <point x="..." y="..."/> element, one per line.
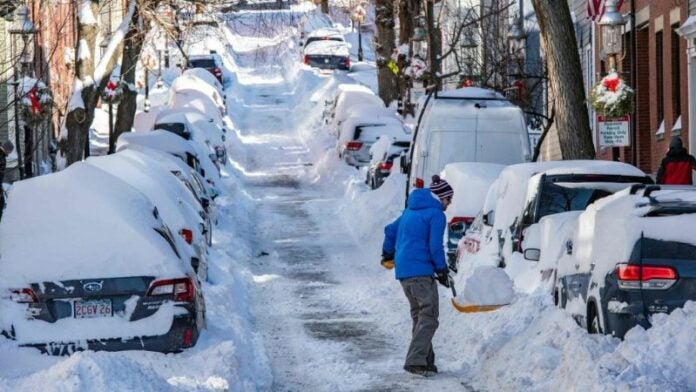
<point x="414" y="242"/>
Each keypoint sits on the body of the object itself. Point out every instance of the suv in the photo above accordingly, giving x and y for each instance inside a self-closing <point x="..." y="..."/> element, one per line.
<point x="525" y="196"/>
<point x="210" y="62"/>
<point x="629" y="259"/>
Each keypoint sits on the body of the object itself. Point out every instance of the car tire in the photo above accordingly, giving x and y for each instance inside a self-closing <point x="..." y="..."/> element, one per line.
<point x="593" y="324"/>
<point x="556" y="298"/>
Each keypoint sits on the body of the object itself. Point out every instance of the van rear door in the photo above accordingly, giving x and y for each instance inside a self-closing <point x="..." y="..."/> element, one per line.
<point x="501" y="134"/>
<point x="447" y="146"/>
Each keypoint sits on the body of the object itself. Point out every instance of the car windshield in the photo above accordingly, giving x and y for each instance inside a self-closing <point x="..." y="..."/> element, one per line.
<point x="202" y="63"/>
<point x="313" y="39"/>
<point x="175" y="128"/>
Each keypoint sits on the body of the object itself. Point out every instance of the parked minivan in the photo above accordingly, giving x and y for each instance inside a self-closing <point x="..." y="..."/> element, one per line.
<point x="466" y="125"/>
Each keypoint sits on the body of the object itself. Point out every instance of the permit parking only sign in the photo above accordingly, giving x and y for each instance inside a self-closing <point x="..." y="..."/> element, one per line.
<point x="614" y="131"/>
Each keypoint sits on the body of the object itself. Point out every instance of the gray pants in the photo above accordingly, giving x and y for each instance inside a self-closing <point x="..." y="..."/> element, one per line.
<point x="422" y="296"/>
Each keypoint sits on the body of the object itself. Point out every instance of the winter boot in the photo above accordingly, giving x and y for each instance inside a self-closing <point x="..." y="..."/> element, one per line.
<point x="419" y="370"/>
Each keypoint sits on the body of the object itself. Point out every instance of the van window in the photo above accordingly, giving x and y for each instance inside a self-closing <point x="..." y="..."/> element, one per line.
<point x="449" y="146"/>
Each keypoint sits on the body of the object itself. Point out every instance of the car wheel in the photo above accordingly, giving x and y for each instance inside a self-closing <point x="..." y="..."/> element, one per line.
<point x="556" y="298"/>
<point x="593" y="325"/>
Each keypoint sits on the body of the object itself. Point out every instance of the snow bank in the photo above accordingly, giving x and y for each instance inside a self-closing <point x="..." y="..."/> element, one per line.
<point x="487" y="286"/>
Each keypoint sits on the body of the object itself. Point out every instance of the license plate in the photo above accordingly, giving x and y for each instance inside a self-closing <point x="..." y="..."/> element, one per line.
<point x="93" y="308"/>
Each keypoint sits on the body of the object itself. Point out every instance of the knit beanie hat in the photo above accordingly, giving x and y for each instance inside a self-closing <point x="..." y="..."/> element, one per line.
<point x="676" y="142"/>
<point x="441" y="188"/>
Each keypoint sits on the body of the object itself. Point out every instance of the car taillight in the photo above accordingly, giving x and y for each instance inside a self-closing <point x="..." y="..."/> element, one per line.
<point x="419" y="183"/>
<point x="24" y="296"/>
<point x="649" y="277"/>
<point x="460" y="223"/>
<point x="217" y="72"/>
<point x="187" y="338"/>
<point x="181" y="289"/>
<point x="347" y="62"/>
<point x="385" y="166"/>
<point x="187" y="235"/>
<point x="353" y="146"/>
<point x="306" y="59"/>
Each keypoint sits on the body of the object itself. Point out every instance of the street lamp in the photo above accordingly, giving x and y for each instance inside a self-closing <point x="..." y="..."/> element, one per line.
<point x="469" y="47"/>
<point x="112" y="140"/>
<point x="612" y="28"/>
<point x="359" y="16"/>
<point x="24" y="27"/>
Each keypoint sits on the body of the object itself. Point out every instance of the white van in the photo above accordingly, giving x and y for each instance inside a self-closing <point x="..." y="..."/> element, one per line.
<point x="467" y="125"/>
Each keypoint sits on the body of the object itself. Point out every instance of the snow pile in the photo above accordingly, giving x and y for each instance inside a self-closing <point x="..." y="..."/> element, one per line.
<point x="487" y="286"/>
<point x="470" y="182"/>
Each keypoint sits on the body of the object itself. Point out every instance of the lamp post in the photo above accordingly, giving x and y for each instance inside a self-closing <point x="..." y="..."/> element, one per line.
<point x="469" y="47"/>
<point x="359" y="16"/>
<point x="23" y="27"/>
<point x="611" y="28"/>
<point x="112" y="142"/>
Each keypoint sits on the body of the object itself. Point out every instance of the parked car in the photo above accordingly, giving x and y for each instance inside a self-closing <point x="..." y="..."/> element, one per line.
<point x="311" y="22"/>
<point x="192" y="125"/>
<point x="466" y="125"/>
<point x="188" y="87"/>
<point x="630" y="258"/>
<point x="470" y="182"/>
<point x="107" y="276"/>
<point x="383" y="153"/>
<point x="211" y="62"/>
<point x="509" y="232"/>
<point x="166" y="193"/>
<point x="358" y="133"/>
<point x="350" y="99"/>
<point x="327" y="54"/>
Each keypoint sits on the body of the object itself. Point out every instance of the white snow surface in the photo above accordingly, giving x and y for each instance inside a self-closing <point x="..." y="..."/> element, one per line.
<point x="470" y="182"/>
<point x="487" y="286"/>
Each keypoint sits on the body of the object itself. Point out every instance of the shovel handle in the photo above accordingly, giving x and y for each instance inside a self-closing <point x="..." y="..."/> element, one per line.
<point x="451" y="284"/>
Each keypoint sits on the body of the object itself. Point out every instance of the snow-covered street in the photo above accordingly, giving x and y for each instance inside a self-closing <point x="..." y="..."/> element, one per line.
<point x="296" y="297"/>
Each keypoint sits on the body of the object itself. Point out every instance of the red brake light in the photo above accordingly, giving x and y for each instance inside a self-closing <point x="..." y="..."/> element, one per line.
<point x="187" y="235"/>
<point x="217" y="71"/>
<point x="463" y="219"/>
<point x="419" y="183"/>
<point x="632" y="276"/>
<point x="385" y="166"/>
<point x="353" y="146"/>
<point x="188" y="338"/>
<point x="347" y="62"/>
<point x="306" y="59"/>
<point x="24" y="296"/>
<point x="181" y="289"/>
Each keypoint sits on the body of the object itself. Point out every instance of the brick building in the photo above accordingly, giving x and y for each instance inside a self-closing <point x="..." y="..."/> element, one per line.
<point x="662" y="99"/>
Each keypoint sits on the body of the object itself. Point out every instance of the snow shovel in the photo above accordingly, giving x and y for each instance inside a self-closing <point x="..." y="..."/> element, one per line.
<point x="470" y="308"/>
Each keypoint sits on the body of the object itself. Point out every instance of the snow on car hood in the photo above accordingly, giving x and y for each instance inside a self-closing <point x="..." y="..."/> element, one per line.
<point x="159" y="139"/>
<point x="81" y="223"/>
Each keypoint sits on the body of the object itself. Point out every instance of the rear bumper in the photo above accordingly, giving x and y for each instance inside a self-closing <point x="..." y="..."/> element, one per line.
<point x="172" y="341"/>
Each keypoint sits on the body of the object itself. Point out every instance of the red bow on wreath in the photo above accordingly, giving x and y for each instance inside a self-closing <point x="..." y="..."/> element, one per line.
<point x="111" y="85"/>
<point x="35" y="103"/>
<point x="612" y="84"/>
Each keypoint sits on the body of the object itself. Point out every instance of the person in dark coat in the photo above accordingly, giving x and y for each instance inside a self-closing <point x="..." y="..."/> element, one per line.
<point x="5" y="151"/>
<point x="415" y="242"/>
<point x="676" y="167"/>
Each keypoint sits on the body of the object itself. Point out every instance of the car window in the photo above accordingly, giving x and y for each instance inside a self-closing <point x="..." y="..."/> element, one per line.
<point x="175" y="128"/>
<point x="202" y="63"/>
<point x="555" y="199"/>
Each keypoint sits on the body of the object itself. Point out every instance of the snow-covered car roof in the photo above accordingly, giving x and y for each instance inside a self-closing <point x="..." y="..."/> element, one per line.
<point x="159" y="140"/>
<point x="158" y="184"/>
<point x="394" y="130"/>
<point x="81" y="223"/>
<point x="470" y="182"/>
<point x="326" y="47"/>
<point x="187" y="83"/>
<point x="326" y="32"/>
<point x="203" y="129"/>
<point x="348" y="126"/>
<point x="205" y="76"/>
<point x="357" y="99"/>
<point x="471" y="93"/>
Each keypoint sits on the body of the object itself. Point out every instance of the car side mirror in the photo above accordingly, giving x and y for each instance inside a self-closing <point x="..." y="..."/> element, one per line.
<point x="488" y="218"/>
<point x="532" y="254"/>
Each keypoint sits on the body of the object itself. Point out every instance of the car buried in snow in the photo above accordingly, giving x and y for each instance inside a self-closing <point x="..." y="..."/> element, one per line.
<point x="106" y="276"/>
<point x="629" y="258"/>
<point x="383" y="153"/>
<point x="210" y="62"/>
<point x="529" y="206"/>
<point x="327" y="55"/>
<point x="358" y="133"/>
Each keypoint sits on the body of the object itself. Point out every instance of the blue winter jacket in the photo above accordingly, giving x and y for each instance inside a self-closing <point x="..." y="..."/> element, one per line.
<point x="416" y="236"/>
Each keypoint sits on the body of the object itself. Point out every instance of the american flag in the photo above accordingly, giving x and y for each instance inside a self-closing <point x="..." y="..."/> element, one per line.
<point x="595" y="8"/>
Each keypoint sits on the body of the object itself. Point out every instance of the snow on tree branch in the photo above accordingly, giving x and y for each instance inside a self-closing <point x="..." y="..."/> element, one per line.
<point x="115" y="41"/>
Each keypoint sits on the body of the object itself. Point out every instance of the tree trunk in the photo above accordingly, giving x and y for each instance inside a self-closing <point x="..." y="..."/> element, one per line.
<point x="407" y="11"/>
<point x="87" y="84"/>
<point x="131" y="53"/>
<point x="325" y="6"/>
<point x="565" y="74"/>
<point x="386" y="38"/>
